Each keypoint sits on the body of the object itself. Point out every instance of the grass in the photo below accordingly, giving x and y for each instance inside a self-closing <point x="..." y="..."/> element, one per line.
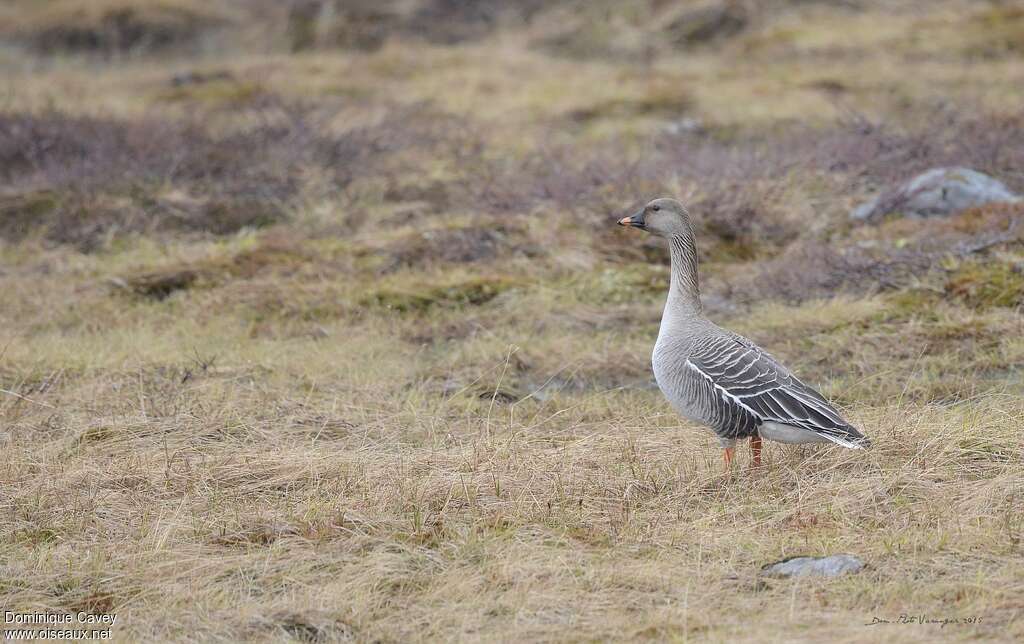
<point x="343" y="344"/>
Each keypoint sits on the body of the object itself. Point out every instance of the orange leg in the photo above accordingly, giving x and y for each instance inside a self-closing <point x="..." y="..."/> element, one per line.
<point x="755" y="449"/>
<point x="729" y="451"/>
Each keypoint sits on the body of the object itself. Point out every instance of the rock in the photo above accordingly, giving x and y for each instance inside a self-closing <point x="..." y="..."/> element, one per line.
<point x="937" y="192"/>
<point x="831" y="566"/>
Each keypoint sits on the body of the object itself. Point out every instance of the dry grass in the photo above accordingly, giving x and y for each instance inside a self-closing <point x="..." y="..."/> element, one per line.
<point x="277" y="491"/>
<point x="343" y="345"/>
<point x="349" y="472"/>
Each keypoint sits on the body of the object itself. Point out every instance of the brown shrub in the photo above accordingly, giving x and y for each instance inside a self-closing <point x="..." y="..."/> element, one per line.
<point x="367" y="25"/>
<point x="453" y="21"/>
<point x="738" y="181"/>
<point x="736" y="186"/>
<point x="898" y="253"/>
<point x="116" y="26"/>
<point x="80" y="180"/>
<point x="104" y="177"/>
<point x="811" y="270"/>
<point x="942" y="135"/>
<point x="482" y="242"/>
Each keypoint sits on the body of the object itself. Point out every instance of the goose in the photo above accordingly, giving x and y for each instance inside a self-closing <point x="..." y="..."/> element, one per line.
<point x="718" y="378"/>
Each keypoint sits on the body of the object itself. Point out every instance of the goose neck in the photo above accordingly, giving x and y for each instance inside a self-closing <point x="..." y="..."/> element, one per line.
<point x="684" y="291"/>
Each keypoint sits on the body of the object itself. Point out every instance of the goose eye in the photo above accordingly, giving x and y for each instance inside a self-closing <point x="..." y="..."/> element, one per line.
<point x="655" y="208"/>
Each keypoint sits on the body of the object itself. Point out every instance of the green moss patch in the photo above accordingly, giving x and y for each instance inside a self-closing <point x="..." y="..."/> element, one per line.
<point x="222" y="92"/>
<point x="663" y="99"/>
<point x="996" y="31"/>
<point x="21" y="214"/>
<point x="473" y="291"/>
<point x="987" y="285"/>
<point x="623" y="284"/>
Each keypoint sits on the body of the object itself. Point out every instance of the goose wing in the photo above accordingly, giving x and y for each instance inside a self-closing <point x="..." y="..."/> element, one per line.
<point x="744" y="375"/>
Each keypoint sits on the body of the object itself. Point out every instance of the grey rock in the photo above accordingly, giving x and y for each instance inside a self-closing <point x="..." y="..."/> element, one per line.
<point x="831" y="566"/>
<point x="937" y="192"/>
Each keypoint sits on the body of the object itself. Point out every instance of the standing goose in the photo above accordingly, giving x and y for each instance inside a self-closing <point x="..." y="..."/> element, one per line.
<point x="721" y="379"/>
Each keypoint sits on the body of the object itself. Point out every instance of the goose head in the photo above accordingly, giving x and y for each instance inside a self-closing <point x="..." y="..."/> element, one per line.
<point x="663" y="217"/>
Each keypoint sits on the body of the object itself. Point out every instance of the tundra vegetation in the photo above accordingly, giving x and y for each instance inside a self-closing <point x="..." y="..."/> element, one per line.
<point x="315" y="324"/>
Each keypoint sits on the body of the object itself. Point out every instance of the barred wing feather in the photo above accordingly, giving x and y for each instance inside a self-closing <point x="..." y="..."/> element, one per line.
<point x="748" y="379"/>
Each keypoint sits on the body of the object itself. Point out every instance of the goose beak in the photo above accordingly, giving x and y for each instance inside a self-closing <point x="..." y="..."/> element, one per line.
<point x="636" y="221"/>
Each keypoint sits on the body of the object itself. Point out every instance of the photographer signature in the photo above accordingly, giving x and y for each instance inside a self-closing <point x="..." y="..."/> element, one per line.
<point x="924" y="620"/>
